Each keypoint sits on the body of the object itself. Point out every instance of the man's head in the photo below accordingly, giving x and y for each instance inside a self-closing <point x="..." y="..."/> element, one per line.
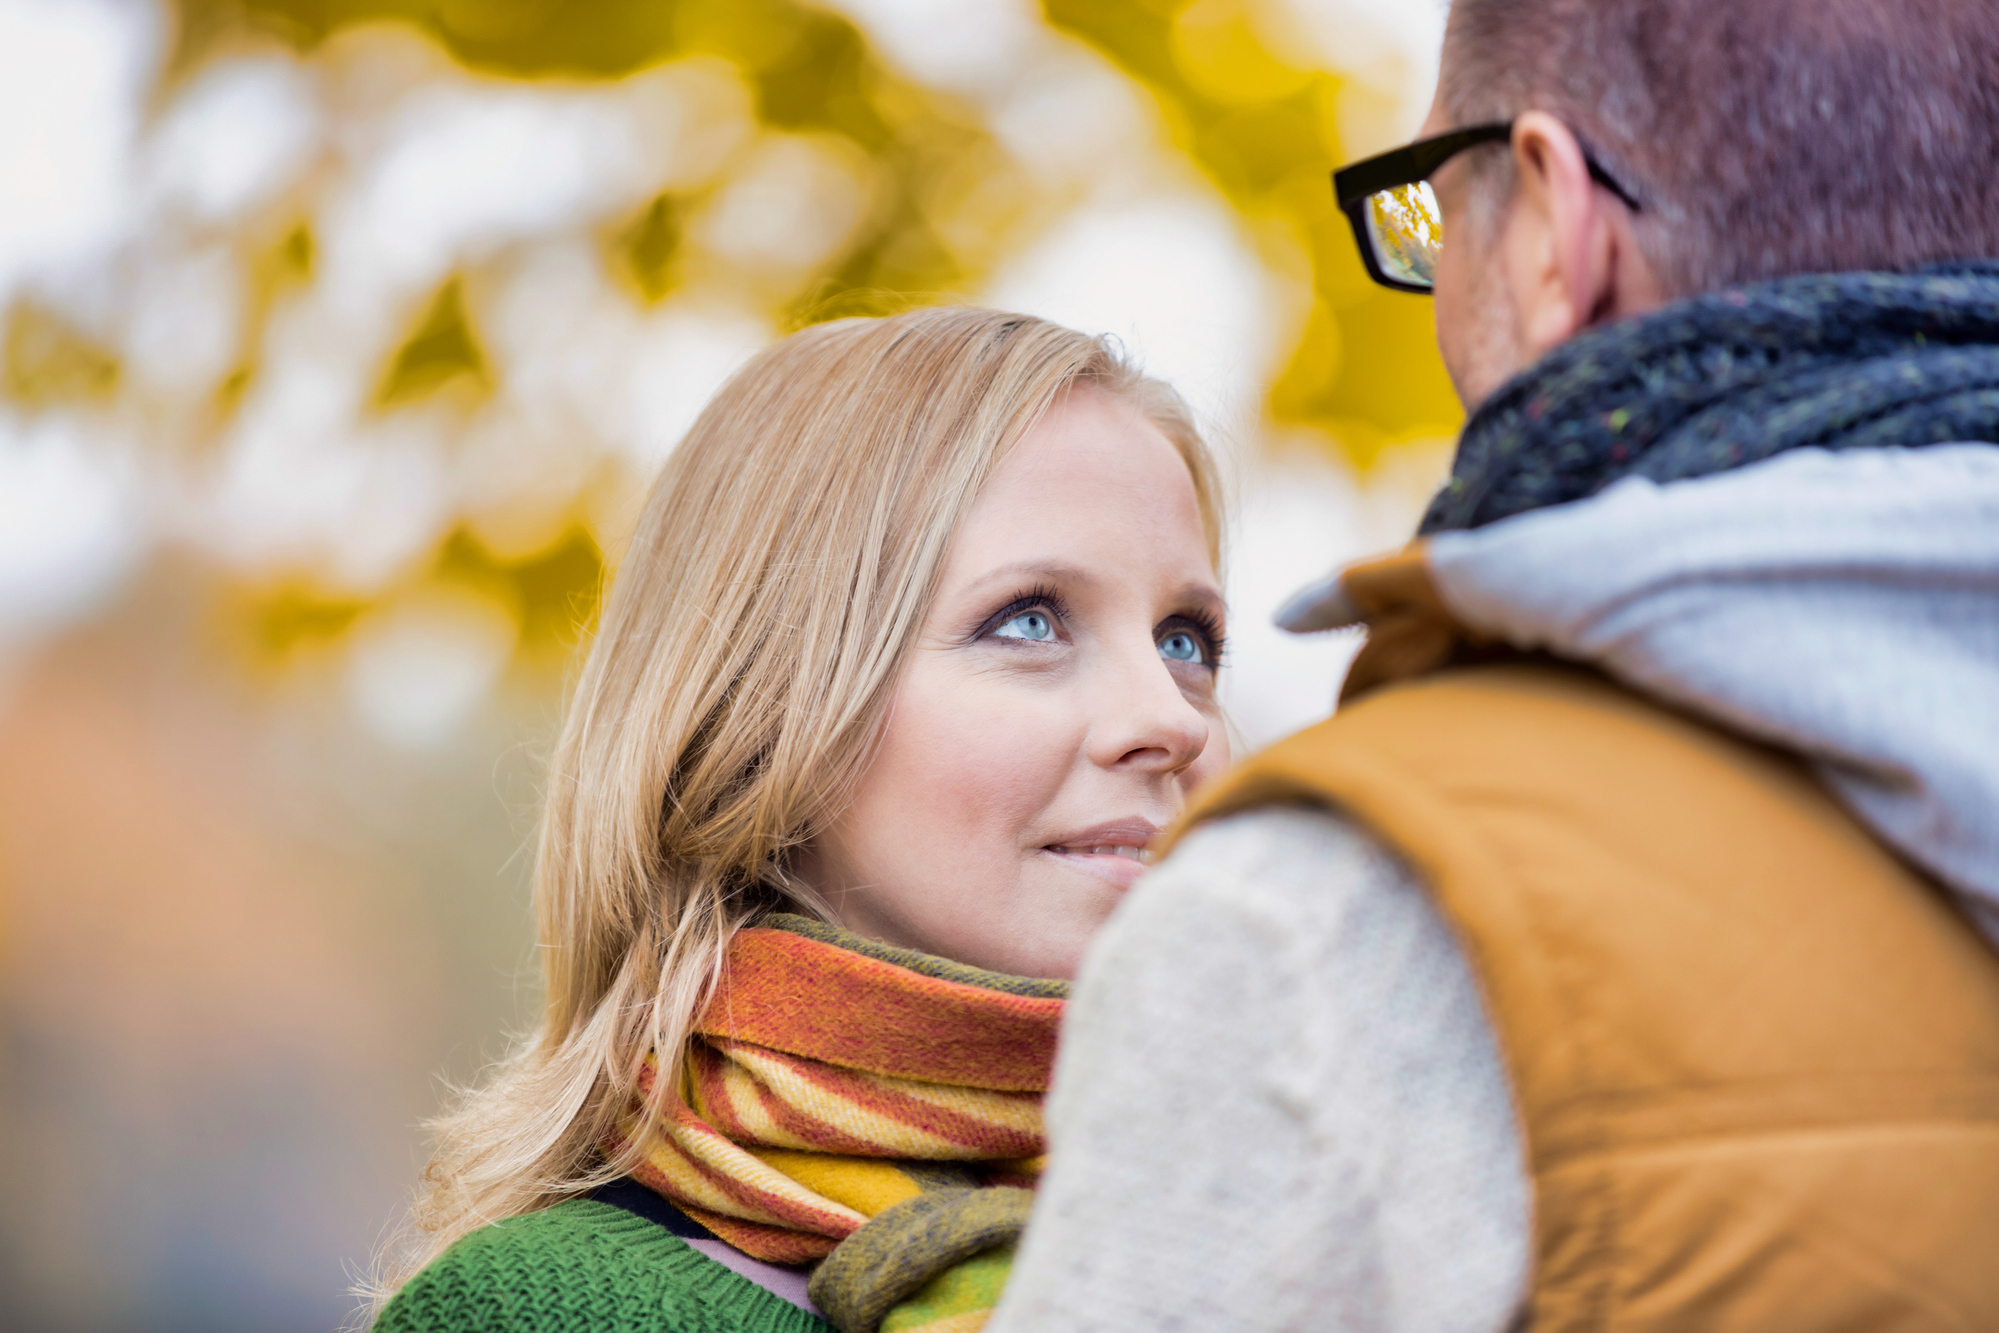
<point x="1760" y="138"/>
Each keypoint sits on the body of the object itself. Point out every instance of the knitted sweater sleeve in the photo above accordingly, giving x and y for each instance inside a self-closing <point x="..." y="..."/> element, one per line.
<point x="1278" y="1105"/>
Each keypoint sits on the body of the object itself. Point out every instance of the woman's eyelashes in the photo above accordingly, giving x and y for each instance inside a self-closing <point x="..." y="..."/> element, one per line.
<point x="1035" y="616"/>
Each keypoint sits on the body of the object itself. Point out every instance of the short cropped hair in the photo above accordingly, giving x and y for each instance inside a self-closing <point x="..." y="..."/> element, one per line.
<point x="1762" y="137"/>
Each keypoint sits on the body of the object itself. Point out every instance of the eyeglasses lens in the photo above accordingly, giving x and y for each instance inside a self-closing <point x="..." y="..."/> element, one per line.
<point x="1407" y="232"/>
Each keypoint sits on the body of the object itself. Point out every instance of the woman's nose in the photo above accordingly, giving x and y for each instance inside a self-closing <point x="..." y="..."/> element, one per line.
<point x="1146" y="721"/>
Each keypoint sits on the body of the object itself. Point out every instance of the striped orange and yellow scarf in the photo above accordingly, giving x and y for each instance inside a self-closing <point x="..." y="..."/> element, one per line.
<point x="871" y="1109"/>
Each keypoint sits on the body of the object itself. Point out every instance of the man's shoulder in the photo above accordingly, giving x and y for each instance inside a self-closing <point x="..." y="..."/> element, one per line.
<point x="1302" y="865"/>
<point x="582" y="1265"/>
<point x="1435" y="738"/>
<point x="1256" y="839"/>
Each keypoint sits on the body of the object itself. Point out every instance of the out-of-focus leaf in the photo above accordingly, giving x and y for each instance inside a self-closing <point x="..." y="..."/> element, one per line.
<point x="442" y="349"/>
<point x="49" y="361"/>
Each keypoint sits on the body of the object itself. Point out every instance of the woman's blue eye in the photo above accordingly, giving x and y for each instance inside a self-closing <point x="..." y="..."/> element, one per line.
<point x="1028" y="625"/>
<point x="1180" y="646"/>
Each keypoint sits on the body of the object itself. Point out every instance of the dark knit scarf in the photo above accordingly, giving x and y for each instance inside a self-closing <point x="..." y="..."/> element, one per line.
<point x="1833" y="361"/>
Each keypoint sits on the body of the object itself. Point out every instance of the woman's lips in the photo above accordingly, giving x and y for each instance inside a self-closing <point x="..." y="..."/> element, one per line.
<point x="1113" y="851"/>
<point x="1110" y="849"/>
<point x="1109" y="865"/>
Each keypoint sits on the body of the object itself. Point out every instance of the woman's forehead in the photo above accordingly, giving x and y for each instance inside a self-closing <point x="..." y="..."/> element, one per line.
<point x="1095" y="489"/>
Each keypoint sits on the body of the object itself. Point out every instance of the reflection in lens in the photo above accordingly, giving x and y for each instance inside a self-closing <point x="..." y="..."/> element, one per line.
<point x="1407" y="232"/>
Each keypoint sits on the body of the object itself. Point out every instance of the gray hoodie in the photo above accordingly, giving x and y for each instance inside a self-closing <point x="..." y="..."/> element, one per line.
<point x="1844" y="606"/>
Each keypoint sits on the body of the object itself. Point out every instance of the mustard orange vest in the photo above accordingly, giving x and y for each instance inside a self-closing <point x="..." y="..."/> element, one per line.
<point x="1755" y="1057"/>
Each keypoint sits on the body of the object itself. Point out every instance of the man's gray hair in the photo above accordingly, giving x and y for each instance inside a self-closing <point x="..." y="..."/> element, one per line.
<point x="1762" y="137"/>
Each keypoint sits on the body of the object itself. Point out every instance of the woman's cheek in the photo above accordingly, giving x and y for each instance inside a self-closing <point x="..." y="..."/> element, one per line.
<point x="993" y="750"/>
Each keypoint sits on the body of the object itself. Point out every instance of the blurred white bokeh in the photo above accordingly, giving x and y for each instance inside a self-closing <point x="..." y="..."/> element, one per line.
<point x="72" y="524"/>
<point x="969" y="46"/>
<point x="236" y="134"/>
<point x="418" y="665"/>
<point x="1173" y="279"/>
<point x="72" y="77"/>
<point x="1388" y="50"/>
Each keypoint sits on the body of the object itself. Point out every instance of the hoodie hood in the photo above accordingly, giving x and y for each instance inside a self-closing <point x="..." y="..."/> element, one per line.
<point x="1843" y="606"/>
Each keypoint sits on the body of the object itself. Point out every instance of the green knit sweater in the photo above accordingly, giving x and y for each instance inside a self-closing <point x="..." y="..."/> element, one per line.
<point x="580" y="1266"/>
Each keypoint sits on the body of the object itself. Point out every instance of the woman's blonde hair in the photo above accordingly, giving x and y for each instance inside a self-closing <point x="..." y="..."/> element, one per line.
<point x="782" y="566"/>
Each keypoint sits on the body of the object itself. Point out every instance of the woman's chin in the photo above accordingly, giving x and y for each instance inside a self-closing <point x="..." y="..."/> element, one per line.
<point x="1119" y="872"/>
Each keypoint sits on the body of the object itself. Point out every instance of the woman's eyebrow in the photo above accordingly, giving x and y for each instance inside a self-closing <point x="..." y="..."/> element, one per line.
<point x="1019" y="569"/>
<point x="1205" y="593"/>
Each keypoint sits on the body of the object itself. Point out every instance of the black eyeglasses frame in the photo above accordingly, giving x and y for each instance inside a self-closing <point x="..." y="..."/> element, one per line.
<point x="1417" y="162"/>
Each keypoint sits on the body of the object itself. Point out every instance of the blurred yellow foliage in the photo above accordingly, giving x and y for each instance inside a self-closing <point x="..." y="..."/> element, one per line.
<point x="648" y="246"/>
<point x="442" y="350"/>
<point x="48" y="361"/>
<point x="552" y="595"/>
<point x="1217" y="46"/>
<point x="1366" y="371"/>
<point x="935" y="205"/>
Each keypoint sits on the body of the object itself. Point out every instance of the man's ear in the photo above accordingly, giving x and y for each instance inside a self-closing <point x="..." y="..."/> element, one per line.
<point x="1570" y="256"/>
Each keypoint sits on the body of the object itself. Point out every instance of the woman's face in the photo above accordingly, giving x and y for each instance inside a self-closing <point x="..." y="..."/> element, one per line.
<point x="1057" y="708"/>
